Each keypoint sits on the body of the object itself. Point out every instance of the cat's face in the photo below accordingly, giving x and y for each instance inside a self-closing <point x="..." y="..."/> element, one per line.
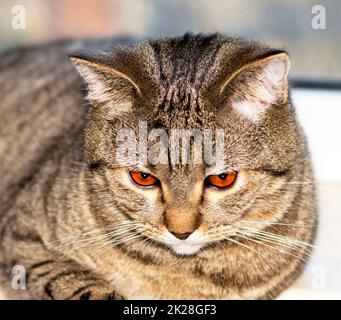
<point x="230" y="88"/>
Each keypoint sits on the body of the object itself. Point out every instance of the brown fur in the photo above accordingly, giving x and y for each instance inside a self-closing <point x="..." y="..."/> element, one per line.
<point x="60" y="177"/>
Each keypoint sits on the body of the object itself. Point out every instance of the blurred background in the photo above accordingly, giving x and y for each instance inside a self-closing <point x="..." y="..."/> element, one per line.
<point x="309" y="30"/>
<point x="283" y="23"/>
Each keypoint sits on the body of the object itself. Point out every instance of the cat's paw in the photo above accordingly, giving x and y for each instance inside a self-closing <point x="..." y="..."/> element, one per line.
<point x="98" y="294"/>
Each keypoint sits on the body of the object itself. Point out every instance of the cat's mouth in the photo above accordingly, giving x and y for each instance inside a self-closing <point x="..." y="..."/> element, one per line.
<point x="189" y="246"/>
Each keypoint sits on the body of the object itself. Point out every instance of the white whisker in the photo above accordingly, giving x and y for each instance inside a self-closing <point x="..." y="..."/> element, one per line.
<point x="272" y="247"/>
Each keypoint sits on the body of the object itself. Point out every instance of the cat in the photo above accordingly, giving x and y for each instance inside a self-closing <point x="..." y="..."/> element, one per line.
<point x="83" y="225"/>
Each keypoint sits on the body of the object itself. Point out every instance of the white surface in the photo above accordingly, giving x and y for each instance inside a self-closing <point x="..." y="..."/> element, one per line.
<point x="322" y="277"/>
<point x="319" y="113"/>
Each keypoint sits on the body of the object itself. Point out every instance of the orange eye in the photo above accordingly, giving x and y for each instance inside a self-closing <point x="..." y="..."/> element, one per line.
<point x="223" y="180"/>
<point x="143" y="179"/>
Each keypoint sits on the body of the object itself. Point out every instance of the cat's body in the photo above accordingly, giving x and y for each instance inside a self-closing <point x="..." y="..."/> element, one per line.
<point x="58" y="201"/>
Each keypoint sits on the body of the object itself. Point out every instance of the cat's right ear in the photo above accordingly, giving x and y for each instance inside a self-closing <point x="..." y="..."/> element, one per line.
<point x="258" y="85"/>
<point x="106" y="85"/>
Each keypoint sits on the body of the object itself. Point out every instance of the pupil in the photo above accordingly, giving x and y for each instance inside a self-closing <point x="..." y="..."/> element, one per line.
<point x="222" y="176"/>
<point x="144" y="175"/>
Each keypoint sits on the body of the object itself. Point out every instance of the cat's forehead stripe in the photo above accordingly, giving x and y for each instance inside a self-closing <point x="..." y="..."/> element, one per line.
<point x="187" y="58"/>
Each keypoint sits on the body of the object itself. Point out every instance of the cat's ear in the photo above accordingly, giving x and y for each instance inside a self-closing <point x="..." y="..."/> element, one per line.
<point x="258" y="85"/>
<point x="106" y="85"/>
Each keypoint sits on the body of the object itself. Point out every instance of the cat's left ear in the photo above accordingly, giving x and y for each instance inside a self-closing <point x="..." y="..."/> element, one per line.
<point x="258" y="85"/>
<point x="107" y="87"/>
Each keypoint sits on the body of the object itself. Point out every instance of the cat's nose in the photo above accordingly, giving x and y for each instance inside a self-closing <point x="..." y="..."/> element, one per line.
<point x="181" y="236"/>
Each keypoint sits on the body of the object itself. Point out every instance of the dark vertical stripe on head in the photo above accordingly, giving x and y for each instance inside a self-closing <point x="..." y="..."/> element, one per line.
<point x="157" y="52"/>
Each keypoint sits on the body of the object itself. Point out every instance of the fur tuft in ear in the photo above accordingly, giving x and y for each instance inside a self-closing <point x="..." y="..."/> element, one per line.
<point x="258" y="85"/>
<point x="107" y="86"/>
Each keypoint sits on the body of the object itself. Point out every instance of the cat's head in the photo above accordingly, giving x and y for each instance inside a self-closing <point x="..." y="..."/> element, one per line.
<point x="232" y="89"/>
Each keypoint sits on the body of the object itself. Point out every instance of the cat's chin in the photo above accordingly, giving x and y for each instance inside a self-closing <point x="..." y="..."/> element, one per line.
<point x="189" y="246"/>
<point x="186" y="249"/>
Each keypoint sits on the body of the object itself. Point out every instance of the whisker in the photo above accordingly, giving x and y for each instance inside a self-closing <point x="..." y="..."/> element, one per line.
<point x="284" y="244"/>
<point x="77" y="236"/>
<point x="97" y="239"/>
<point x="277" y="236"/>
<point x="81" y="239"/>
<point x="272" y="247"/>
<point x="278" y="223"/>
<point x="245" y="246"/>
<point x="106" y="246"/>
<point x="300" y="182"/>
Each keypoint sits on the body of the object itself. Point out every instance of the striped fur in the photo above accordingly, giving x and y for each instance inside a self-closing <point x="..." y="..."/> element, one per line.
<point x="61" y="191"/>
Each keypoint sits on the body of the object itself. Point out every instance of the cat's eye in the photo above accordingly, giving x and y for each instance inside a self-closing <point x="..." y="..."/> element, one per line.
<point x="223" y="180"/>
<point x="143" y="179"/>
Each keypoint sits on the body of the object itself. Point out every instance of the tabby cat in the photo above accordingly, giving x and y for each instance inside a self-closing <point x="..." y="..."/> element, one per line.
<point x="82" y="224"/>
